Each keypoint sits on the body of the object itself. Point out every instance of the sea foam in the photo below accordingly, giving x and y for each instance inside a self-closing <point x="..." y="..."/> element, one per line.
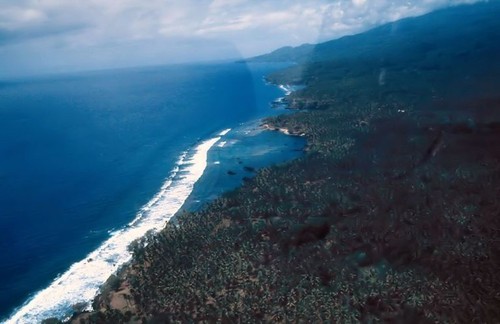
<point x="81" y="282"/>
<point x="286" y="88"/>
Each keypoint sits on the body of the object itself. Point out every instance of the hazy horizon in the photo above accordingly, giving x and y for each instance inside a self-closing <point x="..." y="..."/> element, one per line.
<point x="55" y="36"/>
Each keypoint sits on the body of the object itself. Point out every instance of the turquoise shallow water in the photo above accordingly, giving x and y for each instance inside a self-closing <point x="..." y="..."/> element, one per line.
<point x="238" y="156"/>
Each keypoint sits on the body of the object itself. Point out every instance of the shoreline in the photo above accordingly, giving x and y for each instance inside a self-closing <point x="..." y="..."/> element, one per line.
<point x="116" y="298"/>
<point x="97" y="184"/>
<point x="78" y="286"/>
<point x="283" y="130"/>
<point x="120" y="298"/>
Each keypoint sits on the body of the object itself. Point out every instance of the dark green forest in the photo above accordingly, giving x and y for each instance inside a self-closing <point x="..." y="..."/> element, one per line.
<point x="391" y="214"/>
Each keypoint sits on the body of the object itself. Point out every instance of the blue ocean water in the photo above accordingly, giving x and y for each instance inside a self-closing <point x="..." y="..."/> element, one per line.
<point x="81" y="155"/>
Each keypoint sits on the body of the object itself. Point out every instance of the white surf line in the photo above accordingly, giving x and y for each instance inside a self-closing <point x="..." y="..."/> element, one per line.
<point x="287" y="89"/>
<point x="81" y="282"/>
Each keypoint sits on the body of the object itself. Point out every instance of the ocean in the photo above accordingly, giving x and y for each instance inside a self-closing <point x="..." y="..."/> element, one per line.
<point x="91" y="161"/>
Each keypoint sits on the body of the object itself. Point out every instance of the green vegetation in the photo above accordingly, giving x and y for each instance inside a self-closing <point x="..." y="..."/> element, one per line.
<point x="391" y="215"/>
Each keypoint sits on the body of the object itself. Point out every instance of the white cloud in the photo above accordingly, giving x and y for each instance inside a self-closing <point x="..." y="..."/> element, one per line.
<point x="349" y="17"/>
<point x="253" y="26"/>
<point x="358" y="3"/>
<point x="13" y="17"/>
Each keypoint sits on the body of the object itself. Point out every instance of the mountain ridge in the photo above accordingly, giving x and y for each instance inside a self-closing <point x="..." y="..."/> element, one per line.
<point x="382" y="39"/>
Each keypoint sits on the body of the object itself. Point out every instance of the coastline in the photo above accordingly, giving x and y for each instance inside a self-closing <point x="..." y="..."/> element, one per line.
<point x="78" y="193"/>
<point x="284" y="130"/>
<point x="76" y="287"/>
<point x="115" y="292"/>
<point x="119" y="298"/>
<point x="238" y="158"/>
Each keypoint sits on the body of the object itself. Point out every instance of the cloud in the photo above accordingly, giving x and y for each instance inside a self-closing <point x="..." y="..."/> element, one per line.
<point x="252" y="26"/>
<point x="358" y="3"/>
<point x="349" y="17"/>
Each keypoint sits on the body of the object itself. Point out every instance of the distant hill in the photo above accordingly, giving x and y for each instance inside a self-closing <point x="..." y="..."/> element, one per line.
<point x="423" y="33"/>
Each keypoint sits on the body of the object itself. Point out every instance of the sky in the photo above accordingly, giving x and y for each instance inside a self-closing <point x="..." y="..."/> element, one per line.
<point x="51" y="36"/>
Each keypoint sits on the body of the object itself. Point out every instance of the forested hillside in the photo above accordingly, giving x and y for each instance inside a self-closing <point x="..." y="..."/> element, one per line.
<point x="392" y="213"/>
